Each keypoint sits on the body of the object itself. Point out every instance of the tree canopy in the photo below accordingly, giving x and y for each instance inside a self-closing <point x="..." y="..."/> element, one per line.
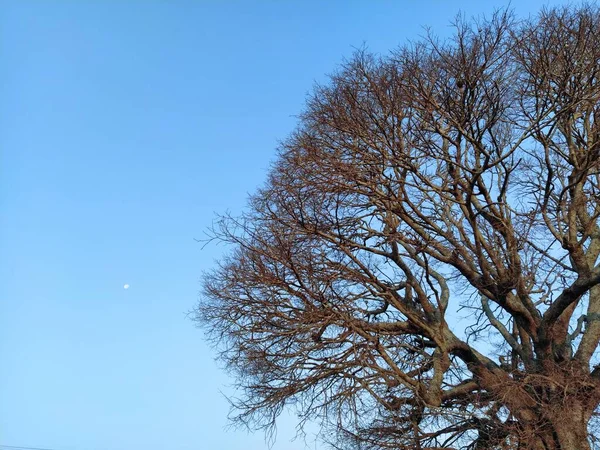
<point x="449" y="178"/>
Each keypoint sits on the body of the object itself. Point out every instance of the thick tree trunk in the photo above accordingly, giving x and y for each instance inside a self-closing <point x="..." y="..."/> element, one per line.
<point x="571" y="431"/>
<point x="567" y="430"/>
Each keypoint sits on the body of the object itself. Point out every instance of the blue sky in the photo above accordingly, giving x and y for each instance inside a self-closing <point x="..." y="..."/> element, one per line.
<point x="124" y="127"/>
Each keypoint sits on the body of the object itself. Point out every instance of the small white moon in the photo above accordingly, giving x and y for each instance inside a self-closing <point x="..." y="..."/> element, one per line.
<point x="125" y="286"/>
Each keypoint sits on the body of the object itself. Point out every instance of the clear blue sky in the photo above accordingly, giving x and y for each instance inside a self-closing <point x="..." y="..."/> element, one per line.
<point x="124" y="126"/>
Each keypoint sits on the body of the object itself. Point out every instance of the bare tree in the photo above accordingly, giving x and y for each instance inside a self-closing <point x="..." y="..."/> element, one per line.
<point x="461" y="173"/>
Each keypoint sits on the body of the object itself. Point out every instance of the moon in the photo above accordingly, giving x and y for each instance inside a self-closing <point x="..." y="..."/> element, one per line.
<point x="125" y="286"/>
